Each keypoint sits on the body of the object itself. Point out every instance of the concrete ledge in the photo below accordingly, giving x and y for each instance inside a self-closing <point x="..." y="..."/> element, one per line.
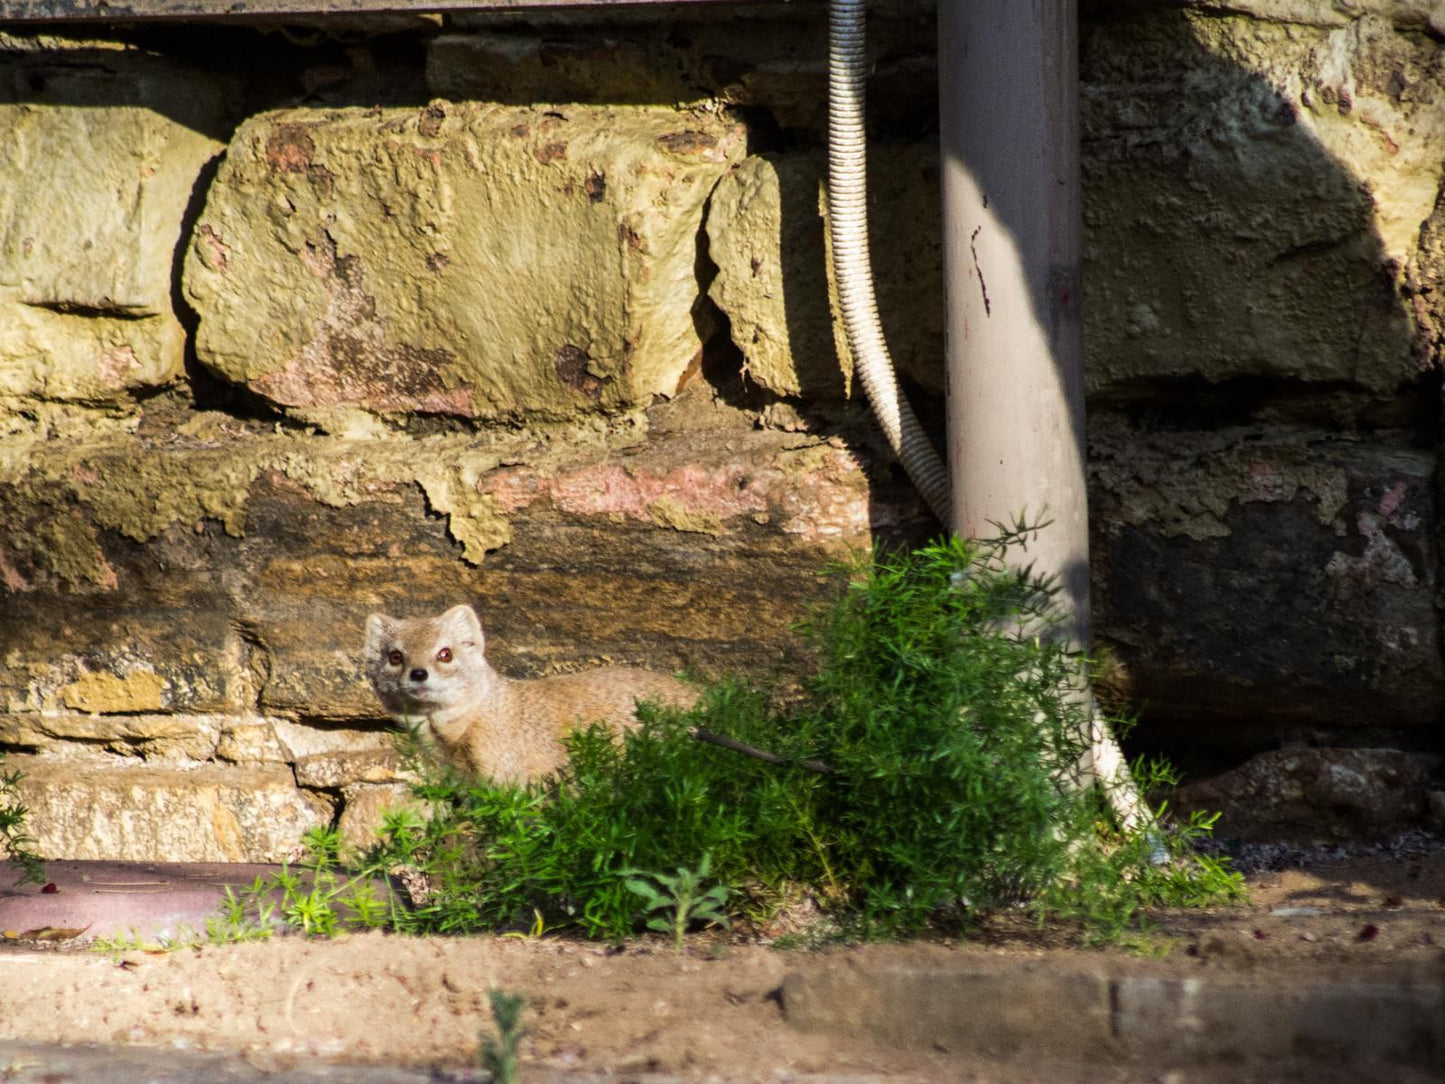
<point x="1086" y="1014"/>
<point x="996" y="1014"/>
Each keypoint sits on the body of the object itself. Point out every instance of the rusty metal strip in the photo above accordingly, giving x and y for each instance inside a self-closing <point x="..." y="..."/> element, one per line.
<point x="30" y="11"/>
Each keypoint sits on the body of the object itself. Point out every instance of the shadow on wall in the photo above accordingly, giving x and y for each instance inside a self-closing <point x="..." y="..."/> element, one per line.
<point x="1264" y="384"/>
<point x="1261" y="373"/>
<point x="1225" y="241"/>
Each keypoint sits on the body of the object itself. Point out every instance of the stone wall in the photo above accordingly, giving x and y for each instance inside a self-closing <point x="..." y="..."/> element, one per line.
<point x="301" y="323"/>
<point x="1262" y="181"/>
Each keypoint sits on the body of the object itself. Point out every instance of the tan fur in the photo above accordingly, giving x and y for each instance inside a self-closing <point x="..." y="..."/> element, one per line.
<point x="434" y="672"/>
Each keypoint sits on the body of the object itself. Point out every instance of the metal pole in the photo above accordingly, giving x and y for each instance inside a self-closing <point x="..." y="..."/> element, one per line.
<point x="1008" y="78"/>
<point x="1008" y="88"/>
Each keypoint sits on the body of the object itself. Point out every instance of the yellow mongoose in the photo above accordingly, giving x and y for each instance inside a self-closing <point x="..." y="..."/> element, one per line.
<point x="434" y="671"/>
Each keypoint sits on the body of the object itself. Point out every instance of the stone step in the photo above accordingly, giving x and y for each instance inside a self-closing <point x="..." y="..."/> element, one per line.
<point x="1105" y="1012"/>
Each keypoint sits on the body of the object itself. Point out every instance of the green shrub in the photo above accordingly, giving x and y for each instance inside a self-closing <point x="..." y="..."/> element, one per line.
<point x="945" y="717"/>
<point x="916" y="785"/>
<point x="14" y="836"/>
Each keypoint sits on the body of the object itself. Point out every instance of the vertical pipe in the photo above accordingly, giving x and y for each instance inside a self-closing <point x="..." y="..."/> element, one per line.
<point x="1008" y="79"/>
<point x="1009" y="129"/>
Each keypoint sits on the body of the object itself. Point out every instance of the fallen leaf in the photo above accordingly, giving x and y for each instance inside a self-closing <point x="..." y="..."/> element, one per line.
<point x="10" y="935"/>
<point x="1369" y="932"/>
<point x="54" y="933"/>
<point x="1260" y="935"/>
<point x="50" y="888"/>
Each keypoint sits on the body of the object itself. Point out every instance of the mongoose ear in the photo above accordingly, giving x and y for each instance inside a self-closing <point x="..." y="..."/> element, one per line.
<point x="462" y="624"/>
<point x="379" y="629"/>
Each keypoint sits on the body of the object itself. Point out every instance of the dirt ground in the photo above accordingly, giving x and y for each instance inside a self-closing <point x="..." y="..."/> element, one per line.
<point x="712" y="1012"/>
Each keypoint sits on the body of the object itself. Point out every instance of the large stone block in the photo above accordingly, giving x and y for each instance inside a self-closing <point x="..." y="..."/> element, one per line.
<point x="693" y="553"/>
<point x="138" y="576"/>
<point x="122" y="654"/>
<point x="1363" y="1022"/>
<point x="184" y="738"/>
<point x="765" y="230"/>
<point x="103" y="150"/>
<point x="100" y="809"/>
<point x="1254" y="193"/>
<point x="462" y="259"/>
<point x="974" y="1007"/>
<point x="239" y="586"/>
<point x="355" y="766"/>
<point x="765" y="234"/>
<point x="1316" y="794"/>
<point x="363" y="810"/>
<point x="1262" y="580"/>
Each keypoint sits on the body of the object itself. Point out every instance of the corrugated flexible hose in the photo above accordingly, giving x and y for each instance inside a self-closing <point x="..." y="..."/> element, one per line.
<point x="852" y="266"/>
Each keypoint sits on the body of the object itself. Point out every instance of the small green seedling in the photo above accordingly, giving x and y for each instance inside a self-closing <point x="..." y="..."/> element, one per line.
<point x="15" y="840"/>
<point x="502" y="1056"/>
<point x="219" y="930"/>
<point x="318" y="898"/>
<point x="537" y="929"/>
<point x="679" y="893"/>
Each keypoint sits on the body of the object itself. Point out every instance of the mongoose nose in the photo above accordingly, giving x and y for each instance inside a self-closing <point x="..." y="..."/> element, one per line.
<point x="418" y="674"/>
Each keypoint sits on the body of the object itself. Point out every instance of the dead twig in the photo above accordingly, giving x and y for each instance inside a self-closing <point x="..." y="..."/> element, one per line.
<point x="724" y="742"/>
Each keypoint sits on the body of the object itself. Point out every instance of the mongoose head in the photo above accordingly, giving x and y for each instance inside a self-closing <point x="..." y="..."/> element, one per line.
<point x="432" y="668"/>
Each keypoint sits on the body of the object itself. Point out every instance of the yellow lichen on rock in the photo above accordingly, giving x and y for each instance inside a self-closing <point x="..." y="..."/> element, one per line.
<point x="670" y="512"/>
<point x="472" y="517"/>
<point x="93" y="197"/>
<point x="463" y="259"/>
<point x="112" y="694"/>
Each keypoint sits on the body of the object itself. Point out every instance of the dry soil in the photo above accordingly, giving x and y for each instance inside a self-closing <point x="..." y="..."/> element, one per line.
<point x="713" y="1011"/>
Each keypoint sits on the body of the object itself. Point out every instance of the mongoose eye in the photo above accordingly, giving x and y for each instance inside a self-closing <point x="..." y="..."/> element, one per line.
<point x="394" y="657"/>
<point x="444" y="655"/>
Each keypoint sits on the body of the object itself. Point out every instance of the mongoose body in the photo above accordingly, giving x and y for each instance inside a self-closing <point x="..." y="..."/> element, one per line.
<point x="434" y="672"/>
